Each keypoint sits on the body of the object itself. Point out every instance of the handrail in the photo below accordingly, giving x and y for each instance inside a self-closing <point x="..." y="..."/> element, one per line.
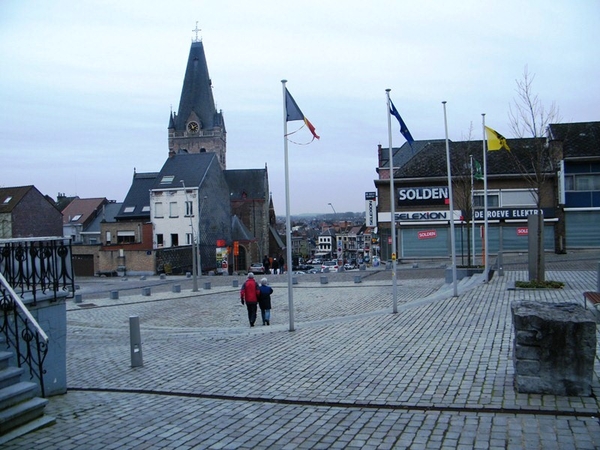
<point x="23" y="308"/>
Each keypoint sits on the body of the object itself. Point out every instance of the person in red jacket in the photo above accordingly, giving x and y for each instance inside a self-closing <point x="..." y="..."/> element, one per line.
<point x="249" y="294"/>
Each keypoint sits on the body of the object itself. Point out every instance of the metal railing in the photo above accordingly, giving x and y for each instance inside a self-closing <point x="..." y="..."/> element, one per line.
<point x="23" y="333"/>
<point x="32" y="269"/>
<point x="38" y="266"/>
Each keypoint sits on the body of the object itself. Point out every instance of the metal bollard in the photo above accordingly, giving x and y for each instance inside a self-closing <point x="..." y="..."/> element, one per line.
<point x="135" y="340"/>
<point x="114" y="295"/>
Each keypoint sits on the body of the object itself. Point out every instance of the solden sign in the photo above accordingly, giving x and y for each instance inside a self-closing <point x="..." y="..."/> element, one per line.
<point x="423" y="196"/>
<point x="427" y="234"/>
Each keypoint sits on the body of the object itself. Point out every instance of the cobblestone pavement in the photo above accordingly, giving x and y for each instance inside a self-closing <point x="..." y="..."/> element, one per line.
<point x="438" y="374"/>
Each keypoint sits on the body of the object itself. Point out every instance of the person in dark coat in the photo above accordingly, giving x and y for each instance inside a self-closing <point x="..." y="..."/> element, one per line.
<point x="275" y="266"/>
<point x="267" y="264"/>
<point x="249" y="295"/>
<point x="281" y="264"/>
<point x="264" y="301"/>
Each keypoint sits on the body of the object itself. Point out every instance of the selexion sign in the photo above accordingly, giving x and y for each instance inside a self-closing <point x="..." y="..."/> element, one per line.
<point x="423" y="196"/>
<point x="421" y="216"/>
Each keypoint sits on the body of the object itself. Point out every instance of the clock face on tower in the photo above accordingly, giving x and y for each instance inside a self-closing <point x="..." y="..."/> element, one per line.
<point x="192" y="127"/>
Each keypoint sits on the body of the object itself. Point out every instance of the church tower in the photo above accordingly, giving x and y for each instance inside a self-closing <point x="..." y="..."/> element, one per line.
<point x="197" y="127"/>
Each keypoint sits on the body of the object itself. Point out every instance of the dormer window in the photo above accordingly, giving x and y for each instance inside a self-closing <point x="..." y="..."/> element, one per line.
<point x="76" y="217"/>
<point x="129" y="209"/>
<point x="7" y="199"/>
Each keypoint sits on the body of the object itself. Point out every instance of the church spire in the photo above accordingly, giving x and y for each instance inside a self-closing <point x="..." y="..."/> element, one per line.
<point x="197" y="126"/>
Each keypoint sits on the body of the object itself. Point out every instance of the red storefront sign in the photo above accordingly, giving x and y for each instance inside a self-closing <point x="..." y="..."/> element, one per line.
<point x="522" y="231"/>
<point x="428" y="234"/>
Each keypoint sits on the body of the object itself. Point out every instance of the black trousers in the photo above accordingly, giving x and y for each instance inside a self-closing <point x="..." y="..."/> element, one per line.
<point x="251" y="311"/>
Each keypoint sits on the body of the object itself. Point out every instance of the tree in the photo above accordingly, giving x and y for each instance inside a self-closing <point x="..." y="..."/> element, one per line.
<point x="529" y="118"/>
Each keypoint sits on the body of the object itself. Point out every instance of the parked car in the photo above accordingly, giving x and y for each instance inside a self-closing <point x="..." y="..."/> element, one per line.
<point x="256" y="268"/>
<point x="331" y="266"/>
<point x="349" y="266"/>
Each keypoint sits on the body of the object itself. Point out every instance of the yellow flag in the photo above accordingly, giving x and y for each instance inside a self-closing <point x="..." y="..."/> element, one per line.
<point x="495" y="140"/>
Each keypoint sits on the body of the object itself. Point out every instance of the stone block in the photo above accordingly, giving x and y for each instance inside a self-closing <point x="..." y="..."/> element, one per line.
<point x="324" y="280"/>
<point x="78" y="298"/>
<point x="564" y="338"/>
<point x="114" y="295"/>
<point x="235" y="283"/>
<point x="207" y="285"/>
<point x="146" y="292"/>
<point x="176" y="288"/>
<point x="357" y="279"/>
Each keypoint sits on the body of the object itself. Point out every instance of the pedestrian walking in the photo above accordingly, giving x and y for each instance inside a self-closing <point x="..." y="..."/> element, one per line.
<point x="264" y="301"/>
<point x="267" y="264"/>
<point x="281" y="264"/>
<point x="249" y="296"/>
<point x="275" y="266"/>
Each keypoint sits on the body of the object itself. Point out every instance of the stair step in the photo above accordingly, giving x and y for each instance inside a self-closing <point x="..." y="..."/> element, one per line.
<point x="20" y="414"/>
<point x="37" y="424"/>
<point x="4" y="359"/>
<point x="16" y="393"/>
<point x="10" y="375"/>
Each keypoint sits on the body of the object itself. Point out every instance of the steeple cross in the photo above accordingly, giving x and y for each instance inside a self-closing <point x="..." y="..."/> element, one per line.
<point x="196" y="30"/>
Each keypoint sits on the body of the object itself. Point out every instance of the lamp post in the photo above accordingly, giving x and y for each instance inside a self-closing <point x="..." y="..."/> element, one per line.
<point x="194" y="246"/>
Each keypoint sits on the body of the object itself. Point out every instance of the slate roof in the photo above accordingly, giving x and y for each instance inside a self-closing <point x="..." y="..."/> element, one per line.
<point x="239" y="232"/>
<point x="196" y="93"/>
<point x="138" y="197"/>
<point x="83" y="210"/>
<point x="579" y="140"/>
<point x="430" y="161"/>
<point x="189" y="167"/>
<point x="251" y="182"/>
<point x="11" y="196"/>
<point x="108" y="214"/>
<point x="405" y="153"/>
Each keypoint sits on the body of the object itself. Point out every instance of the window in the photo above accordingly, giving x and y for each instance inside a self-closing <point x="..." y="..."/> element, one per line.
<point x="158" y="210"/>
<point x="125" y="237"/>
<point x="7" y="199"/>
<point x="189" y="208"/>
<point x="492" y="201"/>
<point x="167" y="179"/>
<point x="159" y="240"/>
<point x="174" y="240"/>
<point x="146" y="209"/>
<point x="129" y="209"/>
<point x="108" y="236"/>
<point x="76" y="217"/>
<point x="188" y="239"/>
<point x="587" y="182"/>
<point x="173" y="212"/>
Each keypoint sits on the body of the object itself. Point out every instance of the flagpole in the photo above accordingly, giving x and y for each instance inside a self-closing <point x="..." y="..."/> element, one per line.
<point x="452" y="237"/>
<point x="392" y="207"/>
<point x="485" y="203"/>
<point x="288" y="227"/>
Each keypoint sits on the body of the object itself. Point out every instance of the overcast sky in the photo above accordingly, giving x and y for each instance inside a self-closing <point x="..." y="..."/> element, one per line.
<point x="86" y="87"/>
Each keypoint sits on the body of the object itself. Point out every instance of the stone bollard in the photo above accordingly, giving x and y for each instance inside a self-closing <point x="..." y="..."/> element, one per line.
<point x="188" y="275"/>
<point x="415" y="266"/>
<point x="114" y="295"/>
<point x="163" y="276"/>
<point x="146" y="292"/>
<point x="235" y="283"/>
<point x="357" y="279"/>
<point x="78" y="298"/>
<point x="135" y="341"/>
<point x="294" y="280"/>
<point x="143" y="278"/>
<point x="324" y="280"/>
<point x="362" y="267"/>
<point x="207" y="285"/>
<point x="176" y="288"/>
<point x="554" y="348"/>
